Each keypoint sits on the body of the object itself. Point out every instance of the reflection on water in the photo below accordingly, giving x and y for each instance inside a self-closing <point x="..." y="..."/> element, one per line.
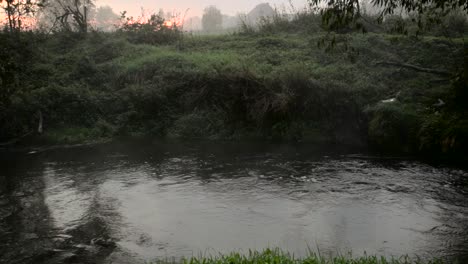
<point x="168" y="200"/>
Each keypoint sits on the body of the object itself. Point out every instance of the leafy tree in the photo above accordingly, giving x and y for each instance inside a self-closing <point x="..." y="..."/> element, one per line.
<point x="212" y="20"/>
<point x="338" y="15"/>
<point x="447" y="130"/>
<point x="19" y="10"/>
<point x="106" y="19"/>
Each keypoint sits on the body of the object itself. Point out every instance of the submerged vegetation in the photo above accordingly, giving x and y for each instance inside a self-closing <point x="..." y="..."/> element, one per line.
<point x="285" y="79"/>
<point x="276" y="256"/>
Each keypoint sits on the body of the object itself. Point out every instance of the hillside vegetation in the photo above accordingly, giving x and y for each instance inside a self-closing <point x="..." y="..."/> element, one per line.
<point x="286" y="80"/>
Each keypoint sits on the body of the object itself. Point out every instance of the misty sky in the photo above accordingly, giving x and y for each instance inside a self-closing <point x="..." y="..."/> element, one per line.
<point x="230" y="7"/>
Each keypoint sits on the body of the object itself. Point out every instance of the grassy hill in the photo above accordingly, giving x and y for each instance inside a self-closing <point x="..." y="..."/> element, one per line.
<point x="268" y="85"/>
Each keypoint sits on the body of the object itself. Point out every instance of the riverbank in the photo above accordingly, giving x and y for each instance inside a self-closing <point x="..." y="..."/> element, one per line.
<point x="269" y="87"/>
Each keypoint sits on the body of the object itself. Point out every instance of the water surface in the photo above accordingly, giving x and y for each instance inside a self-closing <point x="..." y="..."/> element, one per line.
<point x="139" y="201"/>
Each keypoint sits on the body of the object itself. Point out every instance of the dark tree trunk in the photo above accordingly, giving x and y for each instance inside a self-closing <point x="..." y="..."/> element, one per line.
<point x="10" y="16"/>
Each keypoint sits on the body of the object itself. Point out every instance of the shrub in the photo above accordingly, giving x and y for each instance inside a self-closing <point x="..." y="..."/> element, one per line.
<point x="71" y="105"/>
<point x="393" y="127"/>
<point x="455" y="24"/>
<point x="305" y="21"/>
<point x="444" y="134"/>
<point x="153" y="31"/>
<point x="200" y="124"/>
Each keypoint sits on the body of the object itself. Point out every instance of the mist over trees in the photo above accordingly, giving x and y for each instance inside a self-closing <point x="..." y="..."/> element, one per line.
<point x="106" y="19"/>
<point x="212" y="20"/>
<point x="261" y="11"/>
<point x="67" y="15"/>
<point x="229" y="23"/>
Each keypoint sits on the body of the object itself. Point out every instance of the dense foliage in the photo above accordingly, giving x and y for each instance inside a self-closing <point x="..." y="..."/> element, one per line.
<point x="396" y="93"/>
<point x="149" y="31"/>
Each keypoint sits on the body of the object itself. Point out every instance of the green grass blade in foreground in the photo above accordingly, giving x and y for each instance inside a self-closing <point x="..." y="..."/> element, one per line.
<point x="277" y="256"/>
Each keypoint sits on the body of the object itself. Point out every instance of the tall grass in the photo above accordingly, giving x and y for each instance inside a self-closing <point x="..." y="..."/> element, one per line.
<point x="283" y="20"/>
<point x="277" y="256"/>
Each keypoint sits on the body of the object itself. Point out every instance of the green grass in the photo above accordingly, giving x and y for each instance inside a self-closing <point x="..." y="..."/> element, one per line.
<point x="263" y="85"/>
<point x="277" y="256"/>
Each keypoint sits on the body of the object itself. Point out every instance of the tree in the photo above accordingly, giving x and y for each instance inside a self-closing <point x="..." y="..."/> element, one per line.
<point x="17" y="11"/>
<point x="68" y="15"/>
<point x="212" y="19"/>
<point x="340" y="14"/>
<point x="106" y="19"/>
<point x="445" y="131"/>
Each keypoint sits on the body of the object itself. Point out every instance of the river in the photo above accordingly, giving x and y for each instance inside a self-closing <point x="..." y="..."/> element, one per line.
<point x="138" y="201"/>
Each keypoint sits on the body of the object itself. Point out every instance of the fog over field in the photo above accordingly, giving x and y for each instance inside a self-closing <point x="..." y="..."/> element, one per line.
<point x="196" y="6"/>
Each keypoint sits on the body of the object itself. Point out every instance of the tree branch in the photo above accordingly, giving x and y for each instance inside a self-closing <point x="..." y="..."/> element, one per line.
<point x="414" y="67"/>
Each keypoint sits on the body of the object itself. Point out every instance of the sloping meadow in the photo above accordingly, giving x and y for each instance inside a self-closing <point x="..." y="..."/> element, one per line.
<point x="275" y="87"/>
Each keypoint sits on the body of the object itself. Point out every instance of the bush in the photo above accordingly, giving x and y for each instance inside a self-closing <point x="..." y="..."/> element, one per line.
<point x="153" y="31"/>
<point x="198" y="124"/>
<point x="73" y="105"/>
<point x="455" y="24"/>
<point x="393" y="127"/>
<point x="395" y="24"/>
<point x="304" y="21"/>
<point x="444" y="134"/>
<point x="17" y="79"/>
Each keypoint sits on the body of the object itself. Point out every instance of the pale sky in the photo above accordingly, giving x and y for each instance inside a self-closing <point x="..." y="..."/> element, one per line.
<point x="229" y="7"/>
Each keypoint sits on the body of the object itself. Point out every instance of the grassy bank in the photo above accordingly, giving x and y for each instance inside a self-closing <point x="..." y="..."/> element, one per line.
<point x="276" y="256"/>
<point x="254" y="85"/>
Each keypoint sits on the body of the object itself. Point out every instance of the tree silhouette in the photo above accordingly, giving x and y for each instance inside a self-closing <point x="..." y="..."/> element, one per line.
<point x="18" y="10"/>
<point x="212" y="20"/>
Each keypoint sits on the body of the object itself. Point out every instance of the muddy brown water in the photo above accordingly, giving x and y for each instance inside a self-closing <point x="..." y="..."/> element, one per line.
<point x="132" y="202"/>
